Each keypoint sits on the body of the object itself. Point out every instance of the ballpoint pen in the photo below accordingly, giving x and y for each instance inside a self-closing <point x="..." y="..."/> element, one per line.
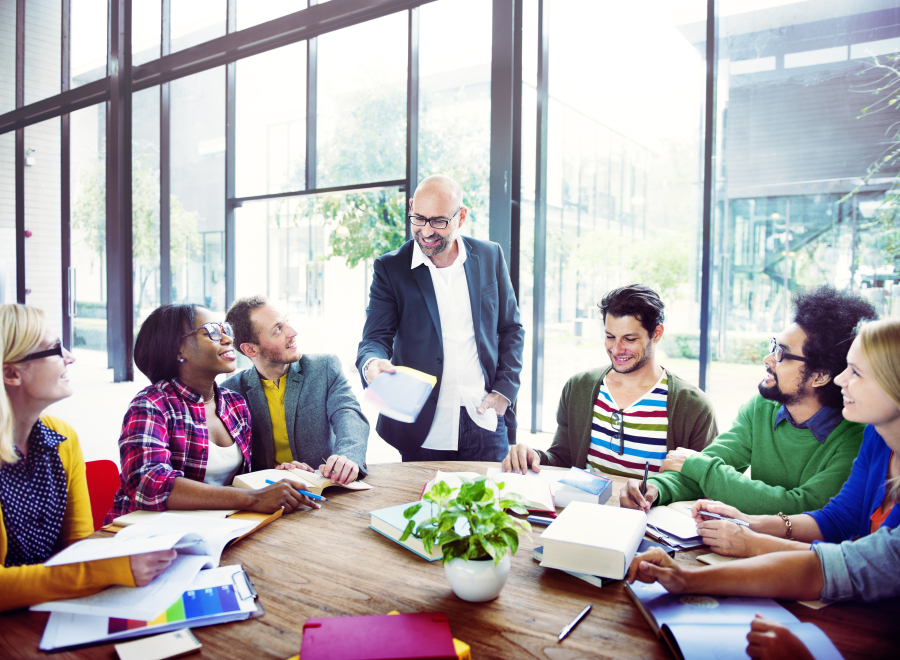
<point x="710" y="515"/>
<point x="575" y="621"/>
<point x="311" y="496"/>
<point x="644" y="482"/>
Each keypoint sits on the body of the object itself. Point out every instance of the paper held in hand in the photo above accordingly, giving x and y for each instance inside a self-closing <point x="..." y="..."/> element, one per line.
<point x="314" y="482"/>
<point x="400" y="395"/>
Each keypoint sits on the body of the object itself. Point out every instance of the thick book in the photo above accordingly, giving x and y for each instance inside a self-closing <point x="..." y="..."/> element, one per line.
<point x="537" y="494"/>
<point x="400" y="395"/>
<point x="390" y="522"/>
<point x="215" y="596"/>
<point x="593" y="539"/>
<point x="313" y="482"/>
<point x="711" y="627"/>
<point x="581" y="486"/>
<point x="596" y="580"/>
<point x="387" y="637"/>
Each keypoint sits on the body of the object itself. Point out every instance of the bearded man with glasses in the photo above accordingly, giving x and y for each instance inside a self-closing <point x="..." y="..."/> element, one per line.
<point x="444" y="304"/>
<point x="792" y="435"/>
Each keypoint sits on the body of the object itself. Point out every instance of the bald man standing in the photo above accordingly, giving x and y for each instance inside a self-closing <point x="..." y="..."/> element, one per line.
<point x="444" y="304"/>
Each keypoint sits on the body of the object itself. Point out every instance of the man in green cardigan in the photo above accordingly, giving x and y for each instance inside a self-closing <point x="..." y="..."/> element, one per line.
<point x="792" y="435"/>
<point x="624" y="417"/>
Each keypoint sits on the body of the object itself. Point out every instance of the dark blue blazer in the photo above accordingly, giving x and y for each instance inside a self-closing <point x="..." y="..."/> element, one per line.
<point x="403" y="325"/>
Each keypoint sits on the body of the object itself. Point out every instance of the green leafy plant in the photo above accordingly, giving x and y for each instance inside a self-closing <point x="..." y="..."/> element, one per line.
<point x="492" y="531"/>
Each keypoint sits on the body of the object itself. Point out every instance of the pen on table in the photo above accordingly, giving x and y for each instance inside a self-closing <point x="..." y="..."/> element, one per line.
<point x="311" y="496"/>
<point x="575" y="621"/>
<point x="644" y="482"/>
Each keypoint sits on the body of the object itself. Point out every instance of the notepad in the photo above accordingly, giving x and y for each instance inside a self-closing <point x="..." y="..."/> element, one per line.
<point x="314" y="482"/>
<point x="390" y="522"/>
<point x="400" y="395"/>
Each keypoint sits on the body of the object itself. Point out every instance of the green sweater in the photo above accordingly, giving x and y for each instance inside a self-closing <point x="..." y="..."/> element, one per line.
<point x="792" y="472"/>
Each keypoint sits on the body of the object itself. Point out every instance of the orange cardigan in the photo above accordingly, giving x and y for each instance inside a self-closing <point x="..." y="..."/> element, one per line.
<point x="22" y="586"/>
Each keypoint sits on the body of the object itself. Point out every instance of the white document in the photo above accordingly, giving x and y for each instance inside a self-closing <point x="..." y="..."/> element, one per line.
<point x="672" y="522"/>
<point x="141" y="516"/>
<point x="65" y="629"/>
<point x="161" y="533"/>
<point x="486" y="420"/>
<point x="140" y="603"/>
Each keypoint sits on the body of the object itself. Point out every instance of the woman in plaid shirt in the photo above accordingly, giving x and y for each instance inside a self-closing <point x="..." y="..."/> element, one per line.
<point x="184" y="438"/>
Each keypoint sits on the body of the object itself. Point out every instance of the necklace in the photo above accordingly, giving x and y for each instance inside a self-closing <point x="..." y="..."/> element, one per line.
<point x="210" y="398"/>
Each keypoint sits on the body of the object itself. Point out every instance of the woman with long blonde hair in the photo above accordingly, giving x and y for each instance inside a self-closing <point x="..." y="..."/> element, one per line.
<point x="44" y="503"/>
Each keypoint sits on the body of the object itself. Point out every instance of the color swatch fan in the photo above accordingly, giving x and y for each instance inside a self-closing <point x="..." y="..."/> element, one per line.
<point x="400" y="395"/>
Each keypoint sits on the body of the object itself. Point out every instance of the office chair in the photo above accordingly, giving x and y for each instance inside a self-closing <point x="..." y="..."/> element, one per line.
<point x="102" y="482"/>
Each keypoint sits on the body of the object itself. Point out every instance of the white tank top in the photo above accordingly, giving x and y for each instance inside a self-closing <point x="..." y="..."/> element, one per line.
<point x="222" y="464"/>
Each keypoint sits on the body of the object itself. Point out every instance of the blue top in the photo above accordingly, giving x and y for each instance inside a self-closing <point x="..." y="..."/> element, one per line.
<point x="847" y="515"/>
<point x="861" y="570"/>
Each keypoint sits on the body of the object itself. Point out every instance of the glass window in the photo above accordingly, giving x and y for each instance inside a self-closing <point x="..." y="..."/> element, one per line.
<point x="622" y="186"/>
<point x="88" y="40"/>
<point x="42" y="218"/>
<point x="7" y="56"/>
<point x="253" y="12"/>
<point x="455" y="101"/>
<point x="799" y="126"/>
<point x="43" y="49"/>
<point x="146" y="31"/>
<point x="197" y="214"/>
<point x="88" y="240"/>
<point x="145" y="202"/>
<point x="270" y="129"/>
<point x="7" y="218"/>
<point x="361" y="134"/>
<point x="196" y="21"/>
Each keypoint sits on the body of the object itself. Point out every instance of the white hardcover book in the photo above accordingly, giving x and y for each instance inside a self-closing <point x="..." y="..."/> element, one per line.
<point x="594" y="539"/>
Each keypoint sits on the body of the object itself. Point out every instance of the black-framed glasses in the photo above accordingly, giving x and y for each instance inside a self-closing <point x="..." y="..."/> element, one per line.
<point x="214" y="330"/>
<point x="780" y="354"/>
<point x="50" y="352"/>
<point x="617" y="418"/>
<point x="437" y="223"/>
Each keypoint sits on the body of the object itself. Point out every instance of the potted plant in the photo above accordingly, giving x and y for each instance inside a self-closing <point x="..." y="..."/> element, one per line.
<point x="475" y="533"/>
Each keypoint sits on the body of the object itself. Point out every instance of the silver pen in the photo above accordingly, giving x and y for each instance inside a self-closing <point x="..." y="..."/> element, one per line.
<point x="575" y="621"/>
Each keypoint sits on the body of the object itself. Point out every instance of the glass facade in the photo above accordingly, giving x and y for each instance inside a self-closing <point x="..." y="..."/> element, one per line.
<point x="89" y="38"/>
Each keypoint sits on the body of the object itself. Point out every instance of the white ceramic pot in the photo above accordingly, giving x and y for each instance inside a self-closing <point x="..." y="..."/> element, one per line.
<point x="477" y="581"/>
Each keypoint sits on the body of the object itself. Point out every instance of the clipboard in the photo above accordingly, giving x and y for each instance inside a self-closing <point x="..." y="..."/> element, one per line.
<point x="221" y="595"/>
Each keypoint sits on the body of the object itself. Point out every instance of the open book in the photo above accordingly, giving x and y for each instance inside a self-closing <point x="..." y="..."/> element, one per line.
<point x="715" y="627"/>
<point x="198" y="541"/>
<point x="313" y="482"/>
<point x="536" y="493"/>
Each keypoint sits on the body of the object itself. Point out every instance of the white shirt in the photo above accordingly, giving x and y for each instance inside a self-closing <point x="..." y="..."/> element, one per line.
<point x="462" y="382"/>
<point x="222" y="464"/>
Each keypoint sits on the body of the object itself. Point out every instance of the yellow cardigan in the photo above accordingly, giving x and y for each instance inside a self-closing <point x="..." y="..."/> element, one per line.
<point x="22" y="586"/>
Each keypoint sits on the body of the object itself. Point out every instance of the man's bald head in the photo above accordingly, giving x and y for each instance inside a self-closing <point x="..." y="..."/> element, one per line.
<point x="441" y="186"/>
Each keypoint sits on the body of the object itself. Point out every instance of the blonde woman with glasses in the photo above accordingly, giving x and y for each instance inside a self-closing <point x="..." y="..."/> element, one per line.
<point x="184" y="438"/>
<point x="44" y="504"/>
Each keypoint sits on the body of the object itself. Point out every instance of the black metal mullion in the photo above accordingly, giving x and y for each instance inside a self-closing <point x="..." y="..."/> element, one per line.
<point x="709" y="145"/>
<point x="165" y="167"/>
<point x="119" y="255"/>
<point x="20" y="154"/>
<point x="230" y="113"/>
<point x="65" y="230"/>
<point x="540" y="223"/>
<point x="515" y="227"/>
<point x="312" y="101"/>
<point x="412" y="112"/>
<point x="502" y="44"/>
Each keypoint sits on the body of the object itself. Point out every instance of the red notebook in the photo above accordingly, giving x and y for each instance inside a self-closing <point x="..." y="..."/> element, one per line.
<point x="387" y="637"/>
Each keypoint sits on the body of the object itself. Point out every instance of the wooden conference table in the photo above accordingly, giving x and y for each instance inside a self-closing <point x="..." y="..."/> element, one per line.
<point x="328" y="563"/>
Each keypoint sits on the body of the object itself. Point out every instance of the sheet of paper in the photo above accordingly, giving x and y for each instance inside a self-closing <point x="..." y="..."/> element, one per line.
<point x="672" y="522"/>
<point x="141" y="516"/>
<point x="65" y="629"/>
<point x="141" y="603"/>
<point x="547" y="475"/>
<point x="486" y="420"/>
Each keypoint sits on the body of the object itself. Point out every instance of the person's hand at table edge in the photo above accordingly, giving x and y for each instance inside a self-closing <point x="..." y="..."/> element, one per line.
<point x="280" y="495"/>
<point x="146" y="566"/>
<point x="769" y="640"/>
<point x="294" y="465"/>
<point x="656" y="566"/>
<point x="520" y="458"/>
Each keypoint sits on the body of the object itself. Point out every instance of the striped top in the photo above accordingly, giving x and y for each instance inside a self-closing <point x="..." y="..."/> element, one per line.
<point x="646" y="423"/>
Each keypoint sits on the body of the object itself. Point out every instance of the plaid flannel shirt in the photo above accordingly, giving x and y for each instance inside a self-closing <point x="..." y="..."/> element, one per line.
<point x="164" y="436"/>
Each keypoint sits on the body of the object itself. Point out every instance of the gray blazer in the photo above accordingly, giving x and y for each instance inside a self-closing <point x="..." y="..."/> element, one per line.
<point x="322" y="415"/>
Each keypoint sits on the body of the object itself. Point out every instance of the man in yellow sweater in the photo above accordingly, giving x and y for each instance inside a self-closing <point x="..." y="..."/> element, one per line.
<point x="302" y="408"/>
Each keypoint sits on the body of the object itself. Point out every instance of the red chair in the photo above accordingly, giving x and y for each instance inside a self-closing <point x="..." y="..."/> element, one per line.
<point x="102" y="482"/>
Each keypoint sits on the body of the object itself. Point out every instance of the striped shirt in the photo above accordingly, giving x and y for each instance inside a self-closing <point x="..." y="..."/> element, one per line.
<point x="645" y="426"/>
